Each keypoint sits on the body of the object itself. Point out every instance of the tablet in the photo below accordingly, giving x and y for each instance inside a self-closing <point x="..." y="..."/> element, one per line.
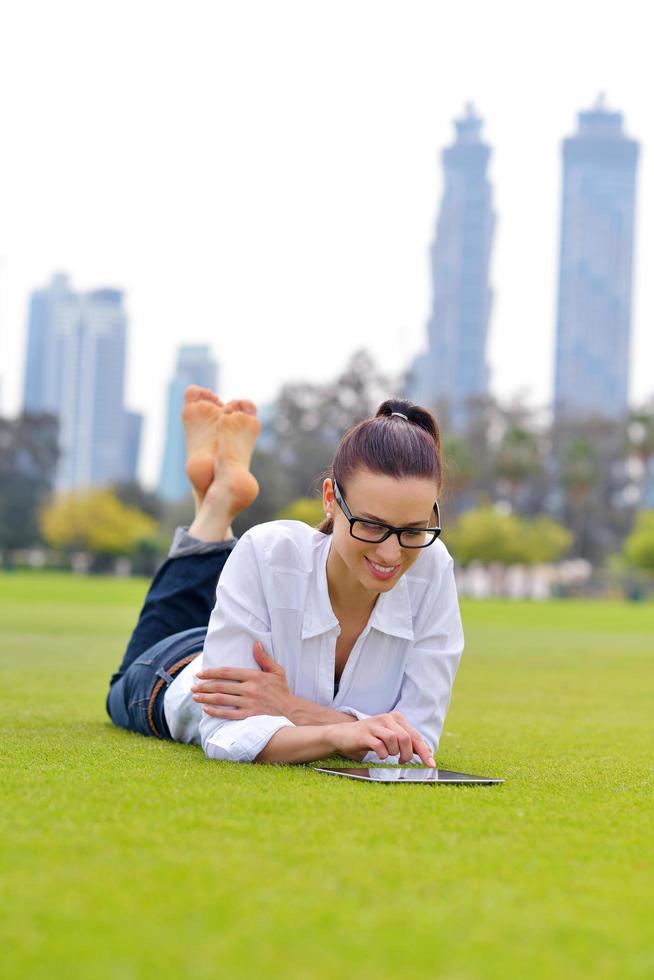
<point x="388" y="775"/>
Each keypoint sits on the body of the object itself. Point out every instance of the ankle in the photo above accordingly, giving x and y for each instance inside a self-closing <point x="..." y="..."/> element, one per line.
<point x="209" y="527"/>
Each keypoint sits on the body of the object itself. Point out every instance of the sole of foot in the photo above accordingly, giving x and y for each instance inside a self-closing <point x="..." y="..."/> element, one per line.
<point x="238" y="429"/>
<point x="200" y="414"/>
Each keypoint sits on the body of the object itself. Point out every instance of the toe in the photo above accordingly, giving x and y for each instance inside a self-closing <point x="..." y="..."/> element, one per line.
<point x="193" y="393"/>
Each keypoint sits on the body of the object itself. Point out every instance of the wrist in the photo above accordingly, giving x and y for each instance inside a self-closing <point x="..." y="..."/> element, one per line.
<point x="332" y="734"/>
<point x="291" y="708"/>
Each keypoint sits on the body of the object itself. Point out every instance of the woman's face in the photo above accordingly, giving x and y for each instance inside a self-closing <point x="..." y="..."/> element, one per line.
<point x="401" y="502"/>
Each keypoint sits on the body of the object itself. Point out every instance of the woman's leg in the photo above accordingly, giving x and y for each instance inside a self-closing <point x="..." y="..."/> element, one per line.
<point x="172" y="623"/>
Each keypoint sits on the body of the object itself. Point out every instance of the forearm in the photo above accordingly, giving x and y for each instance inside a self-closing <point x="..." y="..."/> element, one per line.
<point x="301" y="711"/>
<point x="301" y="744"/>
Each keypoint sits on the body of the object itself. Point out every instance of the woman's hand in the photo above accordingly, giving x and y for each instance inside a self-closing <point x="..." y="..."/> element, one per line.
<point x="240" y="692"/>
<point x="387" y="734"/>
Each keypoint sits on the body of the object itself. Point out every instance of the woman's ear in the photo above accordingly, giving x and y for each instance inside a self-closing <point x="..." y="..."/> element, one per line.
<point x="328" y="496"/>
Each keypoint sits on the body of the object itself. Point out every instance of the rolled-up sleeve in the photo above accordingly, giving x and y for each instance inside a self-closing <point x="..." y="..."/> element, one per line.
<point x="430" y="669"/>
<point x="240" y="617"/>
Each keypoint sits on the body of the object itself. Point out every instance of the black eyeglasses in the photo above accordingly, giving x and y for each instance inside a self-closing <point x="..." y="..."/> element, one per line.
<point x="375" y="533"/>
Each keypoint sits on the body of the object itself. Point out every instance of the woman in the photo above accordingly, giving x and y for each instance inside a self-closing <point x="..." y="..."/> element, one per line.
<point x="343" y="639"/>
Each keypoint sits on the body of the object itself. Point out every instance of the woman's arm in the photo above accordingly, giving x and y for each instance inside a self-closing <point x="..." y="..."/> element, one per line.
<point x="387" y="735"/>
<point x="235" y="693"/>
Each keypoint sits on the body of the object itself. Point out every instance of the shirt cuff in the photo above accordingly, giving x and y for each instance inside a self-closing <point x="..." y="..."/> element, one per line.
<point x="242" y="741"/>
<point x="359" y="715"/>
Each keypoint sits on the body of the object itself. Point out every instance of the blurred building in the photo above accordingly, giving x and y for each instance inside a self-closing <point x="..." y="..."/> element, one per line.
<point x="75" y="368"/>
<point x="196" y="366"/>
<point x="454" y="369"/>
<point x="595" y="271"/>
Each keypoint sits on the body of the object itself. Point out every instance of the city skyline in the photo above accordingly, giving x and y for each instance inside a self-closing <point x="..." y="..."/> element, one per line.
<point x="297" y="225"/>
<point x="592" y="343"/>
<point x="593" y="338"/>
<point x="75" y="369"/>
<point x="453" y="371"/>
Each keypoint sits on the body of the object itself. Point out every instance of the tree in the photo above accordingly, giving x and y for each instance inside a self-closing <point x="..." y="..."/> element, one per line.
<point x="518" y="461"/>
<point x="96" y="521"/>
<point x="489" y="535"/>
<point x="639" y="546"/>
<point x="459" y="467"/>
<point x="310" y="418"/>
<point x="28" y="458"/>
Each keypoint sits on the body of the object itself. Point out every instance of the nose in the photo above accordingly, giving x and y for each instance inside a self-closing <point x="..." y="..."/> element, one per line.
<point x="388" y="552"/>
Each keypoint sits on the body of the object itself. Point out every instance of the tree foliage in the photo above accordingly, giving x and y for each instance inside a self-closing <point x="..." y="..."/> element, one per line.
<point x="639" y="546"/>
<point x="95" y="521"/>
<point x="306" y="509"/>
<point x="28" y="458"/>
<point x="488" y="535"/>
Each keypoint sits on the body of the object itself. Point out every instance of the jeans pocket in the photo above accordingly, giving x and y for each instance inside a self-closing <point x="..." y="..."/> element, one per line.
<point x="138" y="716"/>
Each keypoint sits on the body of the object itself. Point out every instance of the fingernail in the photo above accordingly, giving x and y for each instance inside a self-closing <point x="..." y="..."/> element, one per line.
<point x="431" y="762"/>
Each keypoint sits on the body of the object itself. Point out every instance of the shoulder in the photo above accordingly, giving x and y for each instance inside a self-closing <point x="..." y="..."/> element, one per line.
<point x="285" y="544"/>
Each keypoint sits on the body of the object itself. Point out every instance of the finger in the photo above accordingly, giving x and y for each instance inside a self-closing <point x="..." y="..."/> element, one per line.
<point x="389" y="738"/>
<point x="209" y="673"/>
<point x="378" y="747"/>
<point x="218" y="699"/>
<point x="259" y="652"/>
<point x="265" y="661"/>
<point x="232" y="714"/>
<point x="218" y="687"/>
<point x="228" y="673"/>
<point x="404" y="742"/>
<point x="420" y="747"/>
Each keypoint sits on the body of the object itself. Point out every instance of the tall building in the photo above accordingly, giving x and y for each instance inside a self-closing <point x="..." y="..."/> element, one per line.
<point x="454" y="368"/>
<point x="595" y="270"/>
<point x="195" y="366"/>
<point x="75" y="368"/>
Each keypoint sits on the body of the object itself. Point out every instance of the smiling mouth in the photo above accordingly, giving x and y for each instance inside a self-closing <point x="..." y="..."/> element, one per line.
<point x="382" y="570"/>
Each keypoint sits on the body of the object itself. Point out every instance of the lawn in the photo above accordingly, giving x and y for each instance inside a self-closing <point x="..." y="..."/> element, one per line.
<point x="125" y="857"/>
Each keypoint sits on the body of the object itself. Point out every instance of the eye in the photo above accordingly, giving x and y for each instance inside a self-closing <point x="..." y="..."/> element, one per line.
<point x="414" y="533"/>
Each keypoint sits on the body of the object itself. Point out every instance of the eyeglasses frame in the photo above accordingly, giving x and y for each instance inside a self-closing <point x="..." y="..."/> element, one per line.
<point x="340" y="500"/>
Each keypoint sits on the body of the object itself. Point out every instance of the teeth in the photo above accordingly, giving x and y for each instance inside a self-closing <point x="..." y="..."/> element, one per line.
<point x="382" y="568"/>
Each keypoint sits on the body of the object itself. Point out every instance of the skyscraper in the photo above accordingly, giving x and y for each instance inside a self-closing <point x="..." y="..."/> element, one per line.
<point x="75" y="368"/>
<point x="595" y="271"/>
<point x="195" y="365"/>
<point x="454" y="368"/>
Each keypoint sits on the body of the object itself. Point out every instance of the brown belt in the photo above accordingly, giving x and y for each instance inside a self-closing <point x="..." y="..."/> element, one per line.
<point x="171" y="671"/>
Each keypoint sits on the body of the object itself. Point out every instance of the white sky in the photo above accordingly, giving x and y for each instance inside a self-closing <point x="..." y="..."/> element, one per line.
<point x="265" y="176"/>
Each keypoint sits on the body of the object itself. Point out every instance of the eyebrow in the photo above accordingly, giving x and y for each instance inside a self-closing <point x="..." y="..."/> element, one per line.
<point x="380" y="521"/>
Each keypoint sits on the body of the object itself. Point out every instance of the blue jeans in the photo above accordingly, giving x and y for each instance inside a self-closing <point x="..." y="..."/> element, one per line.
<point x="169" y="634"/>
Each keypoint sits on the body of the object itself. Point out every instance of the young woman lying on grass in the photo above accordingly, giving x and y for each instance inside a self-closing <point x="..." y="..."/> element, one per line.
<point x="343" y="639"/>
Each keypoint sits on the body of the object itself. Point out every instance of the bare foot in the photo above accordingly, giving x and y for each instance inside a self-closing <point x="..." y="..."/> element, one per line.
<point x="233" y="487"/>
<point x="238" y="430"/>
<point x="200" y="415"/>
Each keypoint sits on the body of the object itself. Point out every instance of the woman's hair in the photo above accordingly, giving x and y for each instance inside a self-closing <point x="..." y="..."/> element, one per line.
<point x="388" y="444"/>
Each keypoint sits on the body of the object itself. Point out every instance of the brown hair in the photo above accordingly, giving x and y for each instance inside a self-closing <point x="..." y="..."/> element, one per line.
<point x="390" y="445"/>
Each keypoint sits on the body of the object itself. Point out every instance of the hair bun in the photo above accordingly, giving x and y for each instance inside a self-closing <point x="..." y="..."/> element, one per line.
<point x="421" y="417"/>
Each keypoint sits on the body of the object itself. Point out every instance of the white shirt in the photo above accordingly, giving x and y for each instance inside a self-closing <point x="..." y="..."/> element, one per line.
<point x="273" y="588"/>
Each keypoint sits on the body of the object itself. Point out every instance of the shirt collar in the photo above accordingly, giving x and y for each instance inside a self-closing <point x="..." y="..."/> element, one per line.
<point x="391" y="613"/>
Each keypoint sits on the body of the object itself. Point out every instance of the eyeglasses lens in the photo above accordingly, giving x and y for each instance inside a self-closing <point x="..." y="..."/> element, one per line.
<point x="408" y="539"/>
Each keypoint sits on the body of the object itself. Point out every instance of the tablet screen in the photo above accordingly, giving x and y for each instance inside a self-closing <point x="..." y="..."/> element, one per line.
<point x="396" y="775"/>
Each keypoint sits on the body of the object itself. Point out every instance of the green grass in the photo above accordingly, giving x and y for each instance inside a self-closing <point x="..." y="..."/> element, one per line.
<point x="125" y="857"/>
